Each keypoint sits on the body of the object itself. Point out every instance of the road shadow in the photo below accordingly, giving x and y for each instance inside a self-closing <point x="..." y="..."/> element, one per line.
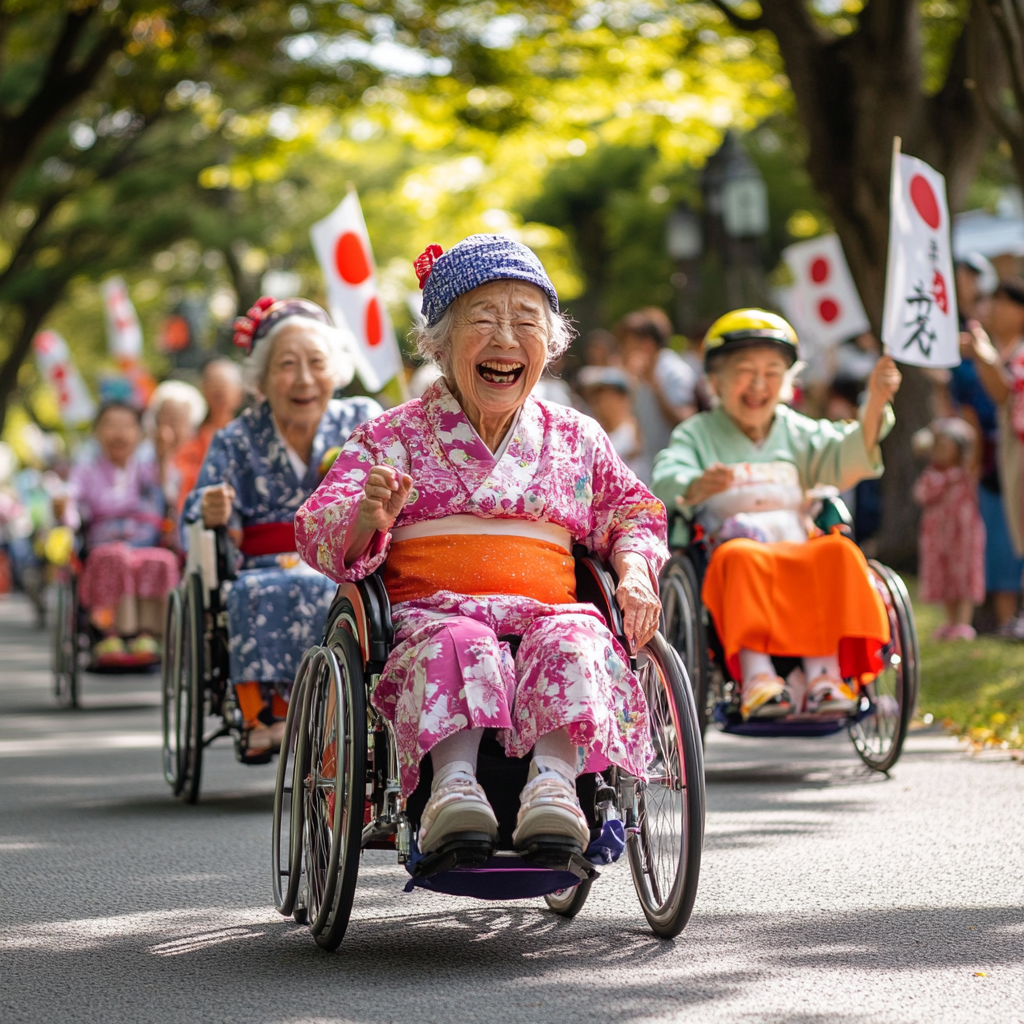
<point x="500" y="962"/>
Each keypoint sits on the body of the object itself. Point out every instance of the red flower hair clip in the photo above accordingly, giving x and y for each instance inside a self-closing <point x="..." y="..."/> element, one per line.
<point x="245" y="326"/>
<point x="424" y="263"/>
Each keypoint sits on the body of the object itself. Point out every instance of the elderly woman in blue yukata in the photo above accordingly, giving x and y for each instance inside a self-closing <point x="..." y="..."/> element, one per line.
<point x="257" y="473"/>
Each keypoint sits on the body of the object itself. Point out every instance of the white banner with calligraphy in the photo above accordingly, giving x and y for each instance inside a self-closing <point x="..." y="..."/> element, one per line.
<point x="919" y="323"/>
<point x="124" y="332"/>
<point x="58" y="369"/>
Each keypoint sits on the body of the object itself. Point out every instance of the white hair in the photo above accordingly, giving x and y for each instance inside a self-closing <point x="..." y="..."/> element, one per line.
<point x="176" y="391"/>
<point x="435" y="343"/>
<point x="339" y="343"/>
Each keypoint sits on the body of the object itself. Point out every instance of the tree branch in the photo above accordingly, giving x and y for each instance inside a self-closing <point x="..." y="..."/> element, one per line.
<point x="61" y="86"/>
<point x="738" y="21"/>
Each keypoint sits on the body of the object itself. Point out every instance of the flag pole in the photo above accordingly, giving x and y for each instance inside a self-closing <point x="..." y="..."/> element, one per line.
<point x="897" y="145"/>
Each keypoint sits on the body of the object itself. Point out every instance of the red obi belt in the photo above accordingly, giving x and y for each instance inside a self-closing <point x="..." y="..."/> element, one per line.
<point x="268" y="539"/>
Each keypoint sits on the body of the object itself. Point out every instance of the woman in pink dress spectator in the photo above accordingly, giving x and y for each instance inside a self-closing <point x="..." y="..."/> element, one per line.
<point x="952" y="540"/>
<point x="116" y="496"/>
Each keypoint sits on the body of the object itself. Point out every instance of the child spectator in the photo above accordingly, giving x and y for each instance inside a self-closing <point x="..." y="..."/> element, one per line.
<point x="607" y="393"/>
<point x="952" y="538"/>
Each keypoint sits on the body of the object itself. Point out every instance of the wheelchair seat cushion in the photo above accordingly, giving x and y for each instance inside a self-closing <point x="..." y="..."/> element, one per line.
<point x="797" y="600"/>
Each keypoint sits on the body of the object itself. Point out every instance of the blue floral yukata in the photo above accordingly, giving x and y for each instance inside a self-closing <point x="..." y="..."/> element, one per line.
<point x="274" y="612"/>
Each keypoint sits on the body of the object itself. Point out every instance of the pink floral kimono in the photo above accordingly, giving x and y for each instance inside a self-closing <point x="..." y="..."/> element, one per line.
<point x="482" y="551"/>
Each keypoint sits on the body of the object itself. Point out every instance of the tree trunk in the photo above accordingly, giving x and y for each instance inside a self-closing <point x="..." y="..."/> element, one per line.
<point x="31" y="317"/>
<point x="854" y="93"/>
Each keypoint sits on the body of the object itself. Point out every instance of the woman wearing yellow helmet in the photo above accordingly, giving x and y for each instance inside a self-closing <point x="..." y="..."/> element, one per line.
<point x="742" y="471"/>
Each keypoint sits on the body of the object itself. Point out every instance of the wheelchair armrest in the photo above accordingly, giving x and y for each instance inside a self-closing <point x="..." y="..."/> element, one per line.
<point x="372" y="609"/>
<point x="833" y="513"/>
<point x="210" y="553"/>
<point x="227" y="554"/>
<point x="595" y="584"/>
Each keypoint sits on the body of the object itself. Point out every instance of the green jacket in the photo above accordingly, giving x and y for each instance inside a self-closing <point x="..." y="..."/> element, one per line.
<point x="822" y="451"/>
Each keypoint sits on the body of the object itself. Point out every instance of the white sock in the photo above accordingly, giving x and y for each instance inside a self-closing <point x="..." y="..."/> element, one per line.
<point x="814" y="668"/>
<point x="755" y="663"/>
<point x="455" y="754"/>
<point x="555" y="752"/>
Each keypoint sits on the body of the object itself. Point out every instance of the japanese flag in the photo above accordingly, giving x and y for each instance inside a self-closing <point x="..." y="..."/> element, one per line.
<point x="823" y="291"/>
<point x="124" y="332"/>
<point x="342" y="247"/>
<point x="919" y="323"/>
<point x="59" y="371"/>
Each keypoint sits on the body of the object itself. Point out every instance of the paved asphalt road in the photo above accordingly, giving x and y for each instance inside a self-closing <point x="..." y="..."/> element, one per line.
<point x="827" y="895"/>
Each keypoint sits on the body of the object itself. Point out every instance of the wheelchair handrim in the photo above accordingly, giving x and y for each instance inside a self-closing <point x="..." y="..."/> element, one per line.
<point x="286" y="803"/>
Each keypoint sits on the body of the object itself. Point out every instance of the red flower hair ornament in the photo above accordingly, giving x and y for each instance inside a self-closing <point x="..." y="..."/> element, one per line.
<point x="424" y="263"/>
<point x="245" y="326"/>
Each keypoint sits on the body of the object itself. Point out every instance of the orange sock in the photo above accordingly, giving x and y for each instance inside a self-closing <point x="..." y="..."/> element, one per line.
<point x="278" y="706"/>
<point x="250" y="701"/>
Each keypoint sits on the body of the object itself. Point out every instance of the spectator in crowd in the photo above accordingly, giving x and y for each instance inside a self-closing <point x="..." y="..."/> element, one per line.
<point x="551" y="387"/>
<point x="222" y="389"/>
<point x="980" y="388"/>
<point x="601" y="348"/>
<point x="608" y="396"/>
<point x="175" y="413"/>
<point x="665" y="385"/>
<point x="951" y="550"/>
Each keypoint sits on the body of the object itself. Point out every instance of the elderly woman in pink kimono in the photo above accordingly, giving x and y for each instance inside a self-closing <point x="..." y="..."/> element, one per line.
<point x="471" y="498"/>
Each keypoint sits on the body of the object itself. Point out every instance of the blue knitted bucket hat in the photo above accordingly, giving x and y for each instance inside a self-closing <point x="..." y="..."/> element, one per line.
<point x="474" y="261"/>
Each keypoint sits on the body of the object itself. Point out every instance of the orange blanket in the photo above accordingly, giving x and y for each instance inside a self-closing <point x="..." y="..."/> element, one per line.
<point x="797" y="600"/>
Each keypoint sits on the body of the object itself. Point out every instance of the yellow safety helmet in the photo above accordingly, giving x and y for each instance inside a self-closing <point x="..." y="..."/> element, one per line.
<point x="745" y="327"/>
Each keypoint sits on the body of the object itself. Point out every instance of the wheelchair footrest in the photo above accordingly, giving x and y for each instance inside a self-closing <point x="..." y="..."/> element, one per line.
<point x="465" y="850"/>
<point x="554" y="852"/>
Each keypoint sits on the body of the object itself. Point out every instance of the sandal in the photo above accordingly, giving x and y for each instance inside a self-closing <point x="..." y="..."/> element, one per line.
<point x="144" y="646"/>
<point x="765" y="696"/>
<point x="109" y="651"/>
<point x="828" y="696"/>
<point x="259" y="744"/>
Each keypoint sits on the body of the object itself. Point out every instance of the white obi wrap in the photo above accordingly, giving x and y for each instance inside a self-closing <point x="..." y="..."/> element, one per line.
<point x="765" y="503"/>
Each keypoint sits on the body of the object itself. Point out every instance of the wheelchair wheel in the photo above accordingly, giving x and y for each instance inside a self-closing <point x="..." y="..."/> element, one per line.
<point x="878" y="736"/>
<point x="569" y="902"/>
<point x="288" y="806"/>
<point x="334" y="782"/>
<point x="65" y="644"/>
<point x="170" y="690"/>
<point x="685" y="629"/>
<point x="191" y="716"/>
<point x="665" y="851"/>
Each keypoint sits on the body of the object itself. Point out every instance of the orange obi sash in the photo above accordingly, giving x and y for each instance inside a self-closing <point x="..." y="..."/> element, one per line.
<point x="268" y="539"/>
<point x="471" y="555"/>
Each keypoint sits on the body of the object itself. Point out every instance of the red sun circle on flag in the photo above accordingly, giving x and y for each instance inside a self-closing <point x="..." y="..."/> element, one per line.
<point x="350" y="259"/>
<point x="922" y="195"/>
<point x="828" y="310"/>
<point x="820" y="270"/>
<point x="374" y="323"/>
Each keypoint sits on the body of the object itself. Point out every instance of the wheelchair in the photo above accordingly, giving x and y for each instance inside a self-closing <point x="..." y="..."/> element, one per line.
<point x="73" y="634"/>
<point x="877" y="726"/>
<point x="338" y="794"/>
<point x="195" y="679"/>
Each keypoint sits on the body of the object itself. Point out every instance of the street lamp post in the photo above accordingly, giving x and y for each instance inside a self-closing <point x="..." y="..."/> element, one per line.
<point x="684" y="243"/>
<point x="736" y="201"/>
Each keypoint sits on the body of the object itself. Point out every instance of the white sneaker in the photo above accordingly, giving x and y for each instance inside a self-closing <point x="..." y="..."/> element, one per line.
<point x="458" y="806"/>
<point x="548" y="806"/>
